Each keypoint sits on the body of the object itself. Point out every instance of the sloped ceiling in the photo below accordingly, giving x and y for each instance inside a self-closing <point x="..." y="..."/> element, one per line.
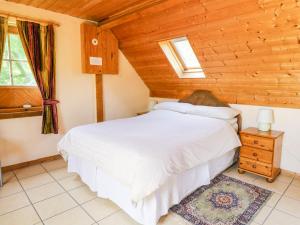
<point x="249" y="49"/>
<point x="87" y="9"/>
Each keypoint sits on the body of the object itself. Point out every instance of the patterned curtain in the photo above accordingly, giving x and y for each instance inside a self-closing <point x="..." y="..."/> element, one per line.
<point x="38" y="43"/>
<point x="3" y="34"/>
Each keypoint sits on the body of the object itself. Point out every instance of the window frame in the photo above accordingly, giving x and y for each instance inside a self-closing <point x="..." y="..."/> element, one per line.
<point x="13" y="30"/>
<point x="177" y="62"/>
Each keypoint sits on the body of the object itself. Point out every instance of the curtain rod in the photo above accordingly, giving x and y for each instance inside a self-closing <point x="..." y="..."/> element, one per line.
<point x="25" y="18"/>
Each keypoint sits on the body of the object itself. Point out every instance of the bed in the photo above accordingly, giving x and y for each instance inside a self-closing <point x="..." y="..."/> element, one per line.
<point x="148" y="163"/>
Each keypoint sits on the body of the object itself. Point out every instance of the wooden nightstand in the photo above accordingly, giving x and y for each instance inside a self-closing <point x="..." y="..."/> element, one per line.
<point x="261" y="152"/>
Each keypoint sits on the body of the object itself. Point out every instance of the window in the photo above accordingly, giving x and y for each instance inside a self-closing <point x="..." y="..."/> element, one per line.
<point x="17" y="83"/>
<point x="182" y="57"/>
<point x="15" y="69"/>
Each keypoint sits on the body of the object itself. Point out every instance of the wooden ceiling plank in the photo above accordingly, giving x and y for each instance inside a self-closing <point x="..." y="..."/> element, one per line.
<point x="104" y="9"/>
<point x="127" y="14"/>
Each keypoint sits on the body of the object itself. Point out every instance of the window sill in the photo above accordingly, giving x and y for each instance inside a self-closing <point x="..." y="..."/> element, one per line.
<point x="20" y="112"/>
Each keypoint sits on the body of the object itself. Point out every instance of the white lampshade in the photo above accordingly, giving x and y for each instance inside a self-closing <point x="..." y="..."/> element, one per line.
<point x="265" y="116"/>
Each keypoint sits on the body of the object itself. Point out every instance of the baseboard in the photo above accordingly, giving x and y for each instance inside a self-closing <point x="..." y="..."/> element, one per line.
<point x="287" y="172"/>
<point x="30" y="163"/>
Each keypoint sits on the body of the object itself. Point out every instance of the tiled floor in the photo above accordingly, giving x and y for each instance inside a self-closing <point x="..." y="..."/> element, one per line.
<point x="47" y="194"/>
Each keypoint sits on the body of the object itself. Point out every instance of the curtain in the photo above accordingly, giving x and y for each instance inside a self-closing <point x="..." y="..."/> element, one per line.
<point x="3" y="34"/>
<point x="38" y="43"/>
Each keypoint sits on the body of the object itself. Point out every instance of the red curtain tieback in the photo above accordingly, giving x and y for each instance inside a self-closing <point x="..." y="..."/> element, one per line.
<point x="50" y="102"/>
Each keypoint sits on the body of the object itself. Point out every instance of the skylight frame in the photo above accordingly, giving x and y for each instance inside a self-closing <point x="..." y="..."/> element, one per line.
<point x="177" y="61"/>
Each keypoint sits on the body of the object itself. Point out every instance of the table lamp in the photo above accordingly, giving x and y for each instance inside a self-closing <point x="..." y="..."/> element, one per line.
<point x="265" y="119"/>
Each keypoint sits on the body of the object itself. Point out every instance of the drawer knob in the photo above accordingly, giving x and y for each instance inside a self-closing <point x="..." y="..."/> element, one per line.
<point x="255" y="142"/>
<point x="254" y="166"/>
<point x="254" y="154"/>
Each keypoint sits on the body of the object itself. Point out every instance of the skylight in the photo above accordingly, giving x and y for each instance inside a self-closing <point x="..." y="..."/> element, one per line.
<point x="182" y="57"/>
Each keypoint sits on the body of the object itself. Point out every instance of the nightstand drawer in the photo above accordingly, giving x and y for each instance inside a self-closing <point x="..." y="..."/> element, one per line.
<point x="256" y="167"/>
<point x="257" y="142"/>
<point x="256" y="154"/>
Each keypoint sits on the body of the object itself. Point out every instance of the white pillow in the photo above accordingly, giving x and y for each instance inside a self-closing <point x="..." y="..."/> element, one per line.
<point x="174" y="106"/>
<point x="225" y="113"/>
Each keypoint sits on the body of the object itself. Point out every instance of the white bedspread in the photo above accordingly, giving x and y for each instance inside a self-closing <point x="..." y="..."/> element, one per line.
<point x="143" y="152"/>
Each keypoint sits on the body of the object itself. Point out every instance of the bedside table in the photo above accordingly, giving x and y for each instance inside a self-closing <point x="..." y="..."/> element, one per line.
<point x="261" y="153"/>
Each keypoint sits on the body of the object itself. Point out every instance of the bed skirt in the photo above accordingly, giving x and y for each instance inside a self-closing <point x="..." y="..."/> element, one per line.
<point x="150" y="209"/>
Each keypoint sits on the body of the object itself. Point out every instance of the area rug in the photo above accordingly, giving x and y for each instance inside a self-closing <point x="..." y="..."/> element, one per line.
<point x="225" y="201"/>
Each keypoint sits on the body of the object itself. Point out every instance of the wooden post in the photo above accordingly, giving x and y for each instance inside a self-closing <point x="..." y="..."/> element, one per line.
<point x="99" y="97"/>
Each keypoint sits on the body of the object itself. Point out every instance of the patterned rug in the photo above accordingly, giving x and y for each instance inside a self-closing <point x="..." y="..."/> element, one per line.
<point x="225" y="201"/>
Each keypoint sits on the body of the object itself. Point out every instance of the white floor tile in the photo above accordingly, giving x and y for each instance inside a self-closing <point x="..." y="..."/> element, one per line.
<point x="13" y="202"/>
<point x="29" y="171"/>
<point x="100" y="208"/>
<point x="53" y="165"/>
<point x="44" y="192"/>
<point x="172" y="219"/>
<point x="82" y="194"/>
<point x="246" y="177"/>
<point x="23" y="216"/>
<point x="71" y="182"/>
<point x="10" y="188"/>
<point x="61" y="173"/>
<point x="8" y="177"/>
<point x="253" y="223"/>
<point x="36" y="181"/>
<point x="293" y="192"/>
<point x="262" y="214"/>
<point x="276" y="186"/>
<point x="285" y="178"/>
<point x="281" y="218"/>
<point x="55" y="205"/>
<point x="120" y="218"/>
<point x="74" y="216"/>
<point x="273" y="200"/>
<point x="289" y="205"/>
<point x="296" y="181"/>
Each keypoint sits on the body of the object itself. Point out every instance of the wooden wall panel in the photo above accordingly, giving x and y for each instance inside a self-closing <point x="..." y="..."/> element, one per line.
<point x="89" y="32"/>
<point x="15" y="97"/>
<point x="110" y="52"/>
<point x="249" y="49"/>
<point x="105" y="48"/>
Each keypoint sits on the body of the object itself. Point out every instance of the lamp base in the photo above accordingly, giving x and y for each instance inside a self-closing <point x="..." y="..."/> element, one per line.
<point x="264" y="127"/>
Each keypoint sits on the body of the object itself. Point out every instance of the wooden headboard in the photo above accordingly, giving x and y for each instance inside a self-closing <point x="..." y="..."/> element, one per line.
<point x="204" y="97"/>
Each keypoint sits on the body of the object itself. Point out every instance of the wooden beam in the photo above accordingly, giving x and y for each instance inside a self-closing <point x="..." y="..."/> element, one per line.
<point x="99" y="97"/>
<point x="127" y="15"/>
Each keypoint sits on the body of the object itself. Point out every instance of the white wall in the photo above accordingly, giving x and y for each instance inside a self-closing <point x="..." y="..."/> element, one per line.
<point x="287" y="120"/>
<point x="20" y="139"/>
<point x="125" y="94"/>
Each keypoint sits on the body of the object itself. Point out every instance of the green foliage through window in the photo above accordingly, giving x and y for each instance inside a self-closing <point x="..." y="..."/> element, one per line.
<point x="15" y="69"/>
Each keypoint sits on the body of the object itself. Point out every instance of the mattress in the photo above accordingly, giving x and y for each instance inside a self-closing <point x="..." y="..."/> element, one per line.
<point x="150" y="209"/>
<point x="143" y="153"/>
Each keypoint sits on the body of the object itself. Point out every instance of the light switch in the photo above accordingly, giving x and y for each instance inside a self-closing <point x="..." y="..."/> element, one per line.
<point x="96" y="61"/>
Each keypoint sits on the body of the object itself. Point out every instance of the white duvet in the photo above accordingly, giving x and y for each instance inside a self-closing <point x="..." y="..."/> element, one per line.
<point x="143" y="152"/>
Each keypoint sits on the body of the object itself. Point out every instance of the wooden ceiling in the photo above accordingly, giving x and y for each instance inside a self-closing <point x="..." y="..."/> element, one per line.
<point x="95" y="10"/>
<point x="249" y="49"/>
